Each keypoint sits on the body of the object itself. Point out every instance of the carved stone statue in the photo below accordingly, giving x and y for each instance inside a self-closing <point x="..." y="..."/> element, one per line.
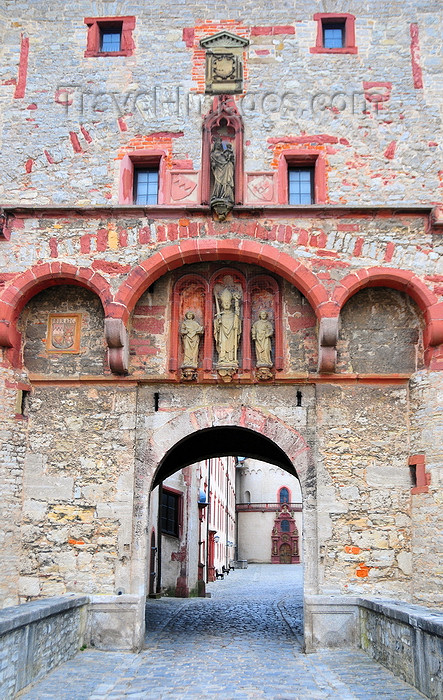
<point x="227" y="331"/>
<point x="190" y="332"/>
<point x="222" y="167"/>
<point x="262" y="332"/>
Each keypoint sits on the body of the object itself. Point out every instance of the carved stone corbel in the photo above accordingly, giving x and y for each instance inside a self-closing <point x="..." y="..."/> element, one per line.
<point x="327" y="345"/>
<point x="117" y="339"/>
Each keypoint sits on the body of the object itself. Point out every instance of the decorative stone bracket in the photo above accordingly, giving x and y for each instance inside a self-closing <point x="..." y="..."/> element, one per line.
<point x="118" y="345"/>
<point x="327" y="344"/>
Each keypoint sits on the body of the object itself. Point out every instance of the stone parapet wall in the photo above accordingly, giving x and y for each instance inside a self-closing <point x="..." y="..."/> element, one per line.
<point x="36" y="637"/>
<point x="407" y="639"/>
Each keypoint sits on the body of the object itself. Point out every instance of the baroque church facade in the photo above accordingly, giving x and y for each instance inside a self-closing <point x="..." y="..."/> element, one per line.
<point x="220" y="236"/>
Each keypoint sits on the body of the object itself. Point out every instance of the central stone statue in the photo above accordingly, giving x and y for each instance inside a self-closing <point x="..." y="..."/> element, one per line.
<point x="227" y="331"/>
<point x="222" y="168"/>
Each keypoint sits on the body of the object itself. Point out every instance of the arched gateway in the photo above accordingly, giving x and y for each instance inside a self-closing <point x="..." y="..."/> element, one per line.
<point x="191" y="435"/>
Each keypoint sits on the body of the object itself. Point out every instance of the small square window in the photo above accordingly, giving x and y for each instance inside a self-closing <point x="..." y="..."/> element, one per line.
<point x="301" y="185"/>
<point x="333" y="35"/>
<point x="145" y="185"/>
<point x="110" y="38"/>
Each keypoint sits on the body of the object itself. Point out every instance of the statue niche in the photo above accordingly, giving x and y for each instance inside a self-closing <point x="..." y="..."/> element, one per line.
<point x="222" y="171"/>
<point x="262" y="332"/>
<point x="190" y="331"/>
<point x="222" y="157"/>
<point x="227" y="331"/>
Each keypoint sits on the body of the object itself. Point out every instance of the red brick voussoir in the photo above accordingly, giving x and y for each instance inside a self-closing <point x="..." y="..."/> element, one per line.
<point x="191" y="251"/>
<point x="27" y="284"/>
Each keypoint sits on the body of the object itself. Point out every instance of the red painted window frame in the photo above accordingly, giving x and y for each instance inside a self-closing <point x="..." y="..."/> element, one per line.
<point x="417" y="465"/>
<point x="292" y="158"/>
<point x="330" y="17"/>
<point x="289" y="495"/>
<point x="95" y="24"/>
<point x="144" y="158"/>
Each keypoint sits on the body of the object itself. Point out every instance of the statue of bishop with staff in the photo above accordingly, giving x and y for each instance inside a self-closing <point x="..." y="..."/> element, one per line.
<point x="227" y="331"/>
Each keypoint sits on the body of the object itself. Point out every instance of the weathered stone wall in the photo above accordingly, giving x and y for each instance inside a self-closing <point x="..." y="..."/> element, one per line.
<point x="381" y="331"/>
<point x="407" y="639"/>
<point x="34" y="321"/>
<point x="427" y="438"/>
<point x="76" y="526"/>
<point x="37" y="637"/>
<point x="363" y="490"/>
<point x="13" y="445"/>
<point x="67" y="144"/>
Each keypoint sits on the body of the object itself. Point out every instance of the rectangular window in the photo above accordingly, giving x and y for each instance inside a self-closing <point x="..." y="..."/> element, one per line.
<point x="301" y="185"/>
<point x="170" y="513"/>
<point x="145" y="185"/>
<point x="333" y="35"/>
<point x="110" y="38"/>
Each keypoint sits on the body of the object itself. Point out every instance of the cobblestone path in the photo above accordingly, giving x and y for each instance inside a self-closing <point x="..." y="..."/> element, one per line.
<point x="243" y="642"/>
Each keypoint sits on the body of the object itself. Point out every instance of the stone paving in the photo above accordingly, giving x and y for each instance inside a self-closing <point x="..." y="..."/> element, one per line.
<point x="243" y="642"/>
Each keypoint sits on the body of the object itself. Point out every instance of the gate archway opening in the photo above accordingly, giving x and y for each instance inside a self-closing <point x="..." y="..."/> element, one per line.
<point x="222" y="441"/>
<point x="185" y="484"/>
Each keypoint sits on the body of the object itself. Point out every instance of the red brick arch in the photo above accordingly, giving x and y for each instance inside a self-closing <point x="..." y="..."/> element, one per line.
<point x="403" y="280"/>
<point x="192" y="251"/>
<point x="39" y="277"/>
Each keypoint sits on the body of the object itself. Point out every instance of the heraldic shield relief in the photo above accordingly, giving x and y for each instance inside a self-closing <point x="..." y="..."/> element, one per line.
<point x="63" y="333"/>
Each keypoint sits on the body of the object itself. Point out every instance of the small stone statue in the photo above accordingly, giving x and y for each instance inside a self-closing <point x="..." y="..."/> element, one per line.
<point x="262" y="332"/>
<point x="227" y="331"/>
<point x="190" y="332"/>
<point x="222" y="168"/>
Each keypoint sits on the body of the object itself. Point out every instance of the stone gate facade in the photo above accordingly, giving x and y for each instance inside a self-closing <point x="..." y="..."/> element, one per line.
<point x="164" y="161"/>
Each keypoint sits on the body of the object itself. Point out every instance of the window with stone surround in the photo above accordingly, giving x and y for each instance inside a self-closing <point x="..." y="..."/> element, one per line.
<point x="301" y="177"/>
<point x="420" y="479"/>
<point x="335" y="33"/>
<point x="110" y="36"/>
<point x="142" y="178"/>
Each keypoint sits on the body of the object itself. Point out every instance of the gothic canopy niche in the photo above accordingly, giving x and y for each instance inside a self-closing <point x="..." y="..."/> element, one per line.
<point x="222" y="156"/>
<point x="224" y="67"/>
<point x="225" y="323"/>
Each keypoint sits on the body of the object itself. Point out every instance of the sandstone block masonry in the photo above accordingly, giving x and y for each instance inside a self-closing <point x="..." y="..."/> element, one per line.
<point x="92" y="285"/>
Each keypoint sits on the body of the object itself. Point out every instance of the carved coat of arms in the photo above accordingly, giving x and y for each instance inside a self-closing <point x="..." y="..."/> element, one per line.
<point x="223" y="66"/>
<point x="63" y="333"/>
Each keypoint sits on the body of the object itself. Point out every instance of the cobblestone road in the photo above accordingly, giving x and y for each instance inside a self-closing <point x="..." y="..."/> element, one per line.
<point x="243" y="642"/>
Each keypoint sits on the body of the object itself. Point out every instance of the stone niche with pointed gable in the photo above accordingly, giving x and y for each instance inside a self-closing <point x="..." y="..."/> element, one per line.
<point x="224" y="63"/>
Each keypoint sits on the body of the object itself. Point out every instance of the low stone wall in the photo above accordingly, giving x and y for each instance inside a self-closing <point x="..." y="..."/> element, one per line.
<point x="407" y="639"/>
<point x="36" y="637"/>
